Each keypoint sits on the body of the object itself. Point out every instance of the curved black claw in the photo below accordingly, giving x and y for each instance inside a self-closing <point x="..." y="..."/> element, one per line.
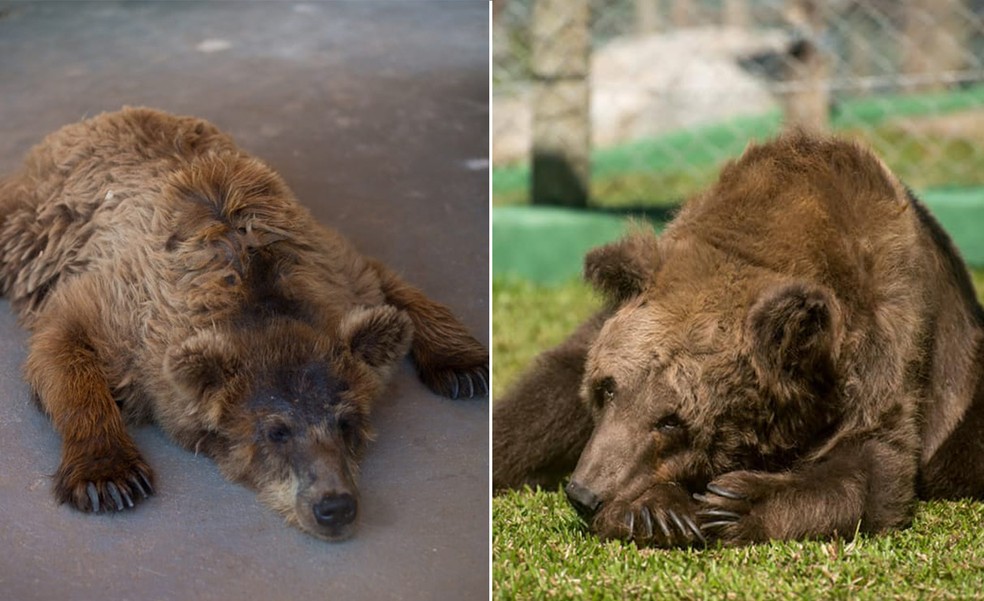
<point x="137" y="485"/>
<point x="483" y="377"/>
<point x="724" y="492"/>
<point x="126" y="497"/>
<point x="629" y="520"/>
<point x="115" y="493"/>
<point x="663" y="526"/>
<point x="647" y="523"/>
<point x="147" y="485"/>
<point x="693" y="528"/>
<point x="468" y="388"/>
<point x="708" y="526"/>
<point x="90" y="489"/>
<point x="719" y="514"/>
<point x="677" y="521"/>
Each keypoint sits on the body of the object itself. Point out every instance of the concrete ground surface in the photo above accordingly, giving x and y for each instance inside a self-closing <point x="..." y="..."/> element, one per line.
<point x="376" y="114"/>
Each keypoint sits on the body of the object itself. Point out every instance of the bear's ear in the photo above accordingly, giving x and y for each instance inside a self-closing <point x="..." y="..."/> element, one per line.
<point x="622" y="269"/>
<point x="202" y="363"/>
<point x="378" y="336"/>
<point x="792" y="336"/>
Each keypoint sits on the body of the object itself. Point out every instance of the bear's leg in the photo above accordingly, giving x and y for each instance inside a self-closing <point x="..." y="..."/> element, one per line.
<point x="956" y="469"/>
<point x="540" y="426"/>
<point x="448" y="359"/>
<point x="864" y="485"/>
<point x="101" y="468"/>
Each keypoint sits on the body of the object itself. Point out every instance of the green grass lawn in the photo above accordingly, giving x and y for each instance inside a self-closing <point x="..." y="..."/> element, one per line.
<point x="529" y="318"/>
<point x="540" y="549"/>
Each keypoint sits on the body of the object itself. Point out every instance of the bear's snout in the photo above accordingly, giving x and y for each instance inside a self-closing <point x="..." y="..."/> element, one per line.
<point x="334" y="511"/>
<point x="583" y="499"/>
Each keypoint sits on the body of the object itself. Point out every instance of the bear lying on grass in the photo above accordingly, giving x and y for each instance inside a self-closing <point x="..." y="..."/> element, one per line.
<point x="166" y="275"/>
<point x="798" y="355"/>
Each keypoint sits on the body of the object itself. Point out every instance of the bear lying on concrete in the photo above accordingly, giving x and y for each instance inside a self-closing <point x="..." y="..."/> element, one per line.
<point x="798" y="355"/>
<point x="167" y="275"/>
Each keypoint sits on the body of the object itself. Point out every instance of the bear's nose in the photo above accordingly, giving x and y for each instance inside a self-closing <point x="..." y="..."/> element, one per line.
<point x="335" y="510"/>
<point x="584" y="501"/>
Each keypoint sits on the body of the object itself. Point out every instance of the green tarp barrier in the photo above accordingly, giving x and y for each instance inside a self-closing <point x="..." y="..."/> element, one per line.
<point x="547" y="244"/>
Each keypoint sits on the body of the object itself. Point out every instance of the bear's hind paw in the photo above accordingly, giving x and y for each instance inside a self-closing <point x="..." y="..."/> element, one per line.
<point x="458" y="383"/>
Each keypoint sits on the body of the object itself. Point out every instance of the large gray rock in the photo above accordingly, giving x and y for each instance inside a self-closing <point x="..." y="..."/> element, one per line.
<point x="648" y="85"/>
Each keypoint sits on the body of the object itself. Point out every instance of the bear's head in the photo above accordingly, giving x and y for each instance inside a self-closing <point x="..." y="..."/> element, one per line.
<point x="284" y="407"/>
<point x="704" y="367"/>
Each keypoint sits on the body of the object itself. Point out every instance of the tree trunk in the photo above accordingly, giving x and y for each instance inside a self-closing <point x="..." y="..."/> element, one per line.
<point x="934" y="40"/>
<point x="806" y="100"/>
<point x="561" y="102"/>
<point x="647" y="16"/>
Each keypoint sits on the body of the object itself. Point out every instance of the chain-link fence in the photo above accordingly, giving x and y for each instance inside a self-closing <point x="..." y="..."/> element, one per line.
<point x="650" y="96"/>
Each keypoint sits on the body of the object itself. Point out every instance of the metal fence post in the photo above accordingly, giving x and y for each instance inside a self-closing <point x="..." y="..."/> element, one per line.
<point x="734" y="13"/>
<point x="935" y="35"/>
<point x="560" y="43"/>
<point x="806" y="100"/>
<point x="682" y="13"/>
<point x="647" y="16"/>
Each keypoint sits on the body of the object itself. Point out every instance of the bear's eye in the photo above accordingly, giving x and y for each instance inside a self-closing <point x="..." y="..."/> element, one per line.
<point x="345" y="426"/>
<point x="604" y="391"/>
<point x="669" y="423"/>
<point x="279" y="433"/>
<point x="348" y="427"/>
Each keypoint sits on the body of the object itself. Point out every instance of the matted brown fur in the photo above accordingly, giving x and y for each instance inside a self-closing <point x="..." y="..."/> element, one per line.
<point x="165" y="274"/>
<point x="798" y="355"/>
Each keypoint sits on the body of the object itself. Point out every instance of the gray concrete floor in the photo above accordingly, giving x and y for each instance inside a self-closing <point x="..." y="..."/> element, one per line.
<point x="376" y="114"/>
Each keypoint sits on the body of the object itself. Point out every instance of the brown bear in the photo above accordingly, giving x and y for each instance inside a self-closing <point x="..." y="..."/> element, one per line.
<point x="167" y="275"/>
<point x="798" y="355"/>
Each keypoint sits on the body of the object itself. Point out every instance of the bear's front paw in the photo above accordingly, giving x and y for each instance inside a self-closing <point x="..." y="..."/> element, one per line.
<point x="731" y="509"/>
<point x="663" y="516"/>
<point x="107" y="480"/>
<point x="459" y="382"/>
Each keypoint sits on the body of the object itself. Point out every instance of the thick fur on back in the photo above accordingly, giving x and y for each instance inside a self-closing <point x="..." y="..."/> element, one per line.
<point x="176" y="229"/>
<point x="829" y="212"/>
